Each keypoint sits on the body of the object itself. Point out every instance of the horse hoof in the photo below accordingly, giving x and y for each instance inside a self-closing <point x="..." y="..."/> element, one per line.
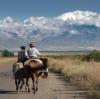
<point x="17" y="92"/>
<point x="28" y="91"/>
<point x="33" y="88"/>
<point x="36" y="89"/>
<point x="20" y="87"/>
<point x="34" y="92"/>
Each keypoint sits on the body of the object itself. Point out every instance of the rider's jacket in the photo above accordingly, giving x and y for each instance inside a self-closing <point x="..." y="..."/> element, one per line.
<point x="22" y="56"/>
<point x="33" y="52"/>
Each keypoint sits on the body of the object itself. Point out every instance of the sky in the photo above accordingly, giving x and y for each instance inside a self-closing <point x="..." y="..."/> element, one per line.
<point x="22" y="9"/>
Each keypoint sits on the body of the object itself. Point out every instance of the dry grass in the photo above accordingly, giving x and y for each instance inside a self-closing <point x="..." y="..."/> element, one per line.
<point x="84" y="74"/>
<point x="7" y="59"/>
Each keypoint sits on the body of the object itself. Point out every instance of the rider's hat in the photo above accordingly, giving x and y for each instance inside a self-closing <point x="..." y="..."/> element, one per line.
<point x="22" y="47"/>
<point x="31" y="45"/>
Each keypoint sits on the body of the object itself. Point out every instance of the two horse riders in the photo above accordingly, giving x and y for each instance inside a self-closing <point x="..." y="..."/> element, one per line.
<point x="31" y="53"/>
<point x="29" y="65"/>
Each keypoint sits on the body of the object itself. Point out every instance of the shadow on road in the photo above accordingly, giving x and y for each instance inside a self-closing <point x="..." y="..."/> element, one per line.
<point x="7" y="92"/>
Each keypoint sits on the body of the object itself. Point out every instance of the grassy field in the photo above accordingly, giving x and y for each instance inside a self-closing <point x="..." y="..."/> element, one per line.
<point x="86" y="75"/>
<point x="7" y="59"/>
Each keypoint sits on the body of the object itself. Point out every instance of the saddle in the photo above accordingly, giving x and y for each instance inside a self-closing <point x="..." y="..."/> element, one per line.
<point x="33" y="63"/>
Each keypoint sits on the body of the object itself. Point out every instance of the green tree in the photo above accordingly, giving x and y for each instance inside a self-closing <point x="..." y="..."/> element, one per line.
<point x="7" y="53"/>
<point x="95" y="55"/>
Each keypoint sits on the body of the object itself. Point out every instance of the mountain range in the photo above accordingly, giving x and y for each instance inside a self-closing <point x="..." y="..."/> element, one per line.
<point x="77" y="30"/>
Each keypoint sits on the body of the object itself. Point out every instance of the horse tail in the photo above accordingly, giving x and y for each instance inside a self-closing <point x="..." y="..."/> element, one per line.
<point x="39" y="74"/>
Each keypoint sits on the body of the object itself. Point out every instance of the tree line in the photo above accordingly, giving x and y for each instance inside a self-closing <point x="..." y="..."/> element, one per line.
<point x="93" y="55"/>
<point x="6" y="53"/>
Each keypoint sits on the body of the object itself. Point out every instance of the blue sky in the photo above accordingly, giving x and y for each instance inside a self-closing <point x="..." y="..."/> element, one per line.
<point x="22" y="9"/>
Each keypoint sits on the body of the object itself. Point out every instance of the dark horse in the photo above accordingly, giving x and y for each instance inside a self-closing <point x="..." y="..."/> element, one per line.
<point x="33" y="73"/>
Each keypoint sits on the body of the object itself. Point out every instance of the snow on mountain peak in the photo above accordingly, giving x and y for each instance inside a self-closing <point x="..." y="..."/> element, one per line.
<point x="8" y="20"/>
<point x="81" y="17"/>
<point x="76" y="15"/>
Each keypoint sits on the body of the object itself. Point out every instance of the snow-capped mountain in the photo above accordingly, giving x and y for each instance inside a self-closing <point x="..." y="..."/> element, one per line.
<point x="76" y="30"/>
<point x="81" y="18"/>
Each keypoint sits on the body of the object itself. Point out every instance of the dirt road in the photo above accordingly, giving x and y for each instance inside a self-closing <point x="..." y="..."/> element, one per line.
<point x="51" y="88"/>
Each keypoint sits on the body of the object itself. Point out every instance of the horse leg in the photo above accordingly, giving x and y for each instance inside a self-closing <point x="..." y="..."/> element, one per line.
<point x="22" y="84"/>
<point x="17" y="82"/>
<point x="27" y="85"/>
<point x="37" y="84"/>
<point x="33" y="87"/>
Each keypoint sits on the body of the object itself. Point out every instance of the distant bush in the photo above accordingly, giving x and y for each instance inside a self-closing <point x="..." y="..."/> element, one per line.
<point x="7" y="53"/>
<point x="93" y="55"/>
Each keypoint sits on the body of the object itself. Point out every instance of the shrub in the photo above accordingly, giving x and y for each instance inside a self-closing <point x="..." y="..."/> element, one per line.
<point x="7" y="53"/>
<point x="93" y="55"/>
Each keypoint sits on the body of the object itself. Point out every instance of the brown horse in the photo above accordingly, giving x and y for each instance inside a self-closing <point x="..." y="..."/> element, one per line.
<point x="16" y="66"/>
<point x="21" y="75"/>
<point x="32" y="70"/>
<point x="18" y="70"/>
<point x="39" y="67"/>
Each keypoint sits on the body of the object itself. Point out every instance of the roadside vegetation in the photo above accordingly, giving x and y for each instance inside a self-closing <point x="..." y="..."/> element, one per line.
<point x="6" y="53"/>
<point x="6" y="56"/>
<point x="7" y="59"/>
<point x="81" y="70"/>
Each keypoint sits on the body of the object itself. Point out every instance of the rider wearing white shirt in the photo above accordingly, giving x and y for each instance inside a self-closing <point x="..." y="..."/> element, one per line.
<point x="33" y="52"/>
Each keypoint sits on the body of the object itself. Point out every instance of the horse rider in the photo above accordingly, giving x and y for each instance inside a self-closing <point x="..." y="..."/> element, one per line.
<point x="33" y="52"/>
<point x="22" y="55"/>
